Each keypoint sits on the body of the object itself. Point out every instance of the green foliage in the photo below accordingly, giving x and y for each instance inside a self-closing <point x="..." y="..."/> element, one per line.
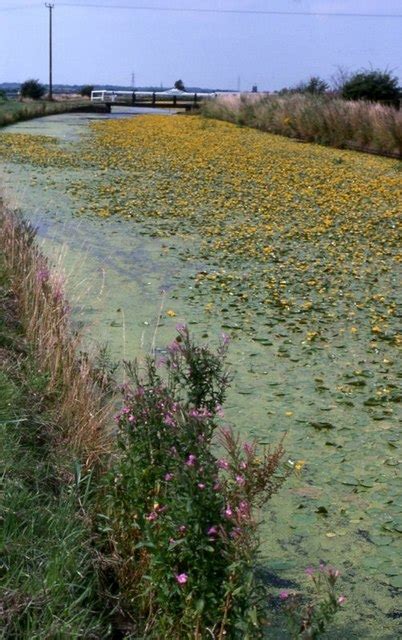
<point x="179" y="519"/>
<point x="308" y="621"/>
<point x="315" y="86"/>
<point x="49" y="583"/>
<point x="179" y="84"/>
<point x="86" y="90"/>
<point x="373" y="85"/>
<point x="32" y="89"/>
<point x="3" y="96"/>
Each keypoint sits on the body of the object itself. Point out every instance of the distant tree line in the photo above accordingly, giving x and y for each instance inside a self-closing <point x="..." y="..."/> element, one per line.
<point x="373" y="85"/>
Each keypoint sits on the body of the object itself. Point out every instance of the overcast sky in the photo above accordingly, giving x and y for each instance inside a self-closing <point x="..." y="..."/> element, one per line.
<point x="106" y="43"/>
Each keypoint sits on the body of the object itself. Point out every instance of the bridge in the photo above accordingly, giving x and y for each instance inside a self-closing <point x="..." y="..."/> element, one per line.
<point x="171" y="99"/>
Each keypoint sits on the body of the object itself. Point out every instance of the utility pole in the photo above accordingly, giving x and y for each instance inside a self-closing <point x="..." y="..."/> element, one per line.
<point x="133" y="80"/>
<point x="50" y="6"/>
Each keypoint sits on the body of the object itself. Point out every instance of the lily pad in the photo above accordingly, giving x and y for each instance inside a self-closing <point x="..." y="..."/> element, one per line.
<point x="322" y="425"/>
<point x="350" y="481"/>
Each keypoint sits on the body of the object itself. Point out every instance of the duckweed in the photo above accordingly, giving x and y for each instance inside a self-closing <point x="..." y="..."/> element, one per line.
<point x="293" y="249"/>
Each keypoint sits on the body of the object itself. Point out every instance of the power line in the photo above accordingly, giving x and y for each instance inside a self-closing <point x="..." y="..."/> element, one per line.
<point x="256" y="12"/>
<point x="229" y="11"/>
<point x="18" y="7"/>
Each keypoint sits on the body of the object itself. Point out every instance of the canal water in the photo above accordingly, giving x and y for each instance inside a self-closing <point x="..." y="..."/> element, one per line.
<point x="129" y="287"/>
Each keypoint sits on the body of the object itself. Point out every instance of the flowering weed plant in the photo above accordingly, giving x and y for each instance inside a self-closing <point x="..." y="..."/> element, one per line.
<point x="309" y="620"/>
<point x="181" y="524"/>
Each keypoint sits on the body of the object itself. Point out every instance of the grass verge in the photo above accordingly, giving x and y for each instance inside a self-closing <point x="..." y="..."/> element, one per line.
<point x="14" y="111"/>
<point x="49" y="583"/>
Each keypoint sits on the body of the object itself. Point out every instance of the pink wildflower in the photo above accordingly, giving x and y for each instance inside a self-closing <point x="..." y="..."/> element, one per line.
<point x="181" y="578"/>
<point x="201" y="485"/>
<point x="341" y="600"/>
<point x="174" y="347"/>
<point x="284" y="595"/>
<point x="223" y="464"/>
<point x="169" y="476"/>
<point x="309" y="571"/>
<point x="151" y="516"/>
<point x="199" y="414"/>
<point x="168" y="420"/>
<point x="244" y="509"/>
<point x="43" y="274"/>
<point x="212" y="531"/>
<point x="240" y="481"/>
<point x="248" y="448"/>
<point x="191" y="460"/>
<point x="228" y="511"/>
<point x="219" y="411"/>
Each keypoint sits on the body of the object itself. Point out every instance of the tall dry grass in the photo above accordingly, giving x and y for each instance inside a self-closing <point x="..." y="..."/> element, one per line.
<point x="83" y="412"/>
<point x="325" y="120"/>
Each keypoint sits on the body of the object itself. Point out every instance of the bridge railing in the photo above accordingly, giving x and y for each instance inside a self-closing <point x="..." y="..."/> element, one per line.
<point x="151" y="97"/>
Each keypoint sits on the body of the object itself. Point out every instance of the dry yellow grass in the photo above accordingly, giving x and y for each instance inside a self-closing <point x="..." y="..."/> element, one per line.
<point x="83" y="411"/>
<point x="339" y="123"/>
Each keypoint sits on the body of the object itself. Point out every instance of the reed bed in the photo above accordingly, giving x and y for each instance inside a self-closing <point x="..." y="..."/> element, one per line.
<point x="83" y="410"/>
<point x="325" y="120"/>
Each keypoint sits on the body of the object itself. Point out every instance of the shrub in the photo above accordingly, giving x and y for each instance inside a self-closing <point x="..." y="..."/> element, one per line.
<point x="3" y="96"/>
<point x="86" y="90"/>
<point x="373" y="85"/>
<point x="179" y="84"/>
<point x="32" y="89"/>
<point x="180" y="517"/>
<point x="315" y="86"/>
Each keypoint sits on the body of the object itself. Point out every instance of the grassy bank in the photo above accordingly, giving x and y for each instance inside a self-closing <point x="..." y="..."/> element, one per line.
<point x="50" y="586"/>
<point x="82" y="413"/>
<point x="13" y="111"/>
<point x="331" y="121"/>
